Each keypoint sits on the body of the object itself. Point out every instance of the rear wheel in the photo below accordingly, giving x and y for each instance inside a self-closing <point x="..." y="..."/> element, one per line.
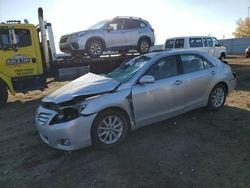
<point x="217" y="97"/>
<point x="95" y="48"/>
<point x="143" y="46"/>
<point x="3" y="94"/>
<point x="109" y="129"/>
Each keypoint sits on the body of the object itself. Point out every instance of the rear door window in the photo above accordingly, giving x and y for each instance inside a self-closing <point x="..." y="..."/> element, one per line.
<point x="179" y="43"/>
<point x="131" y="24"/>
<point x="205" y="42"/>
<point x="169" y="44"/>
<point x="191" y="63"/>
<point x="195" y="42"/>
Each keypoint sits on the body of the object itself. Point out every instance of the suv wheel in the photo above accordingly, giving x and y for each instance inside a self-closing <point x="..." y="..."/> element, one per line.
<point x="143" y="46"/>
<point x="95" y="48"/>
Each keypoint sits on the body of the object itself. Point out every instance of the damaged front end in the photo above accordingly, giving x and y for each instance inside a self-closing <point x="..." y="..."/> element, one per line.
<point x="69" y="110"/>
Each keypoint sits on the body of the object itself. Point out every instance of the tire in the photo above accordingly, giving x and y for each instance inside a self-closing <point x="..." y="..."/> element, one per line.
<point x="217" y="97"/>
<point x="95" y="48"/>
<point x="3" y="94"/>
<point x="143" y="46"/>
<point x="222" y="57"/>
<point x="109" y="129"/>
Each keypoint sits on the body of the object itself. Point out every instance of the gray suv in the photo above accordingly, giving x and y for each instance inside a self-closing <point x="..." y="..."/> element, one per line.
<point x="119" y="34"/>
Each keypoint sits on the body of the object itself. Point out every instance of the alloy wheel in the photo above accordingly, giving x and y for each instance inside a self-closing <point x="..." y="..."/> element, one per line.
<point x="218" y="97"/>
<point x="110" y="129"/>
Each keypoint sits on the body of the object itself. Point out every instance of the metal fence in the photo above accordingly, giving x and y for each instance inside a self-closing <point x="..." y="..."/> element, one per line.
<point x="236" y="45"/>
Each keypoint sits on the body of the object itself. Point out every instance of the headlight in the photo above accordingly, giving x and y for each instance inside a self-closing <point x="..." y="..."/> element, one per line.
<point x="68" y="113"/>
<point x="76" y="35"/>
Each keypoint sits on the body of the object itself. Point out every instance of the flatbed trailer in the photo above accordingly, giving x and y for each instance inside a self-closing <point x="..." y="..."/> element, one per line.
<point x="28" y="57"/>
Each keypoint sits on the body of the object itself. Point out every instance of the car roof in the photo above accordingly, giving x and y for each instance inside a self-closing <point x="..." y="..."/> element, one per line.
<point x="199" y="36"/>
<point x="176" y="52"/>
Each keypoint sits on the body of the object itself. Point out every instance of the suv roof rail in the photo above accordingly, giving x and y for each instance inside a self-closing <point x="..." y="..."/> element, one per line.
<point x="132" y="17"/>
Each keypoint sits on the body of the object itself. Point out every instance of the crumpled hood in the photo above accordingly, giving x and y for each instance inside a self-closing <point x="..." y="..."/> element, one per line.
<point x="87" y="84"/>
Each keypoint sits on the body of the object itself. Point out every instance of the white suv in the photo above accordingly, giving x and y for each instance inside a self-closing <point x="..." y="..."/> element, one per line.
<point x="203" y="43"/>
<point x="119" y="34"/>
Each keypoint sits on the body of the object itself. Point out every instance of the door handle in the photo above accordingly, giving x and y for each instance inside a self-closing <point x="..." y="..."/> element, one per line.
<point x="213" y="72"/>
<point x="178" y="82"/>
<point x="33" y="59"/>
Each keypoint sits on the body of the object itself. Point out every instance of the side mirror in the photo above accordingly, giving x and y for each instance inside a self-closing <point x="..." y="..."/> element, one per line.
<point x="13" y="39"/>
<point x="147" y="79"/>
<point x="109" y="28"/>
<point x="220" y="44"/>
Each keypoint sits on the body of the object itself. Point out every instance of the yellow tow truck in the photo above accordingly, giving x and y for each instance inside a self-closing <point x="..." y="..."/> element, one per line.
<point x="28" y="56"/>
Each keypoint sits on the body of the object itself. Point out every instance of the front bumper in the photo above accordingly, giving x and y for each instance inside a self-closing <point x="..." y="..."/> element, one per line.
<point x="77" y="132"/>
<point x="68" y="45"/>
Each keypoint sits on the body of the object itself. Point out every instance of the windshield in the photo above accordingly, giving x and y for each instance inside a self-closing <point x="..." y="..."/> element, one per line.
<point x="99" y="24"/>
<point x="128" y="69"/>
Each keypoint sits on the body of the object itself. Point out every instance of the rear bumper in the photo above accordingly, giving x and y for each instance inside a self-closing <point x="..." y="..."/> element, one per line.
<point x="232" y="83"/>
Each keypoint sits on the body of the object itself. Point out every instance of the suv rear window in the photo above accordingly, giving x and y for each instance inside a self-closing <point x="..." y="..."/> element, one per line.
<point x="195" y="42"/>
<point x="142" y="24"/>
<point x="169" y="44"/>
<point x="131" y="24"/>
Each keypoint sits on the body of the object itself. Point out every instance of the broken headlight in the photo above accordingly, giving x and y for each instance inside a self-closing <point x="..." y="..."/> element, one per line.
<point x="68" y="113"/>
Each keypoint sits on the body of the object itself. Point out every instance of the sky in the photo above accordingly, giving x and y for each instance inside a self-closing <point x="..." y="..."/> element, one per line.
<point x="169" y="18"/>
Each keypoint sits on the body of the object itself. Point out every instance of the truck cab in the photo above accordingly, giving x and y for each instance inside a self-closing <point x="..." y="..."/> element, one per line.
<point x="24" y="56"/>
<point x="21" y="66"/>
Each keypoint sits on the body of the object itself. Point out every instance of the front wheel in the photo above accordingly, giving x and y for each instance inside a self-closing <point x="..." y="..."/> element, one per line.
<point x="143" y="46"/>
<point x="95" y="48"/>
<point x="3" y="94"/>
<point x="217" y="97"/>
<point x="109" y="129"/>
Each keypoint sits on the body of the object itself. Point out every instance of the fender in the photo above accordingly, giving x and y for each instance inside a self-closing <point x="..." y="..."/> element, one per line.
<point x="8" y="82"/>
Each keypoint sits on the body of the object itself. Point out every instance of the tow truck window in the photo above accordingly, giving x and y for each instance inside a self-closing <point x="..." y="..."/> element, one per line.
<point x="4" y="39"/>
<point x="22" y="35"/>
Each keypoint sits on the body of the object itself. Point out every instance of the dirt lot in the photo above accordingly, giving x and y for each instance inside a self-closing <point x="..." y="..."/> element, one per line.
<point x="198" y="149"/>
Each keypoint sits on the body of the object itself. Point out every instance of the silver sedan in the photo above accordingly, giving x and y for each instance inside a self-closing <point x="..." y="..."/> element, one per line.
<point x="100" y="110"/>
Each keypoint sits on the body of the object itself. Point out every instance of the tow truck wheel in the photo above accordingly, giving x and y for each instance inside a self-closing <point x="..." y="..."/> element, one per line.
<point x="3" y="94"/>
<point x="95" y="48"/>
